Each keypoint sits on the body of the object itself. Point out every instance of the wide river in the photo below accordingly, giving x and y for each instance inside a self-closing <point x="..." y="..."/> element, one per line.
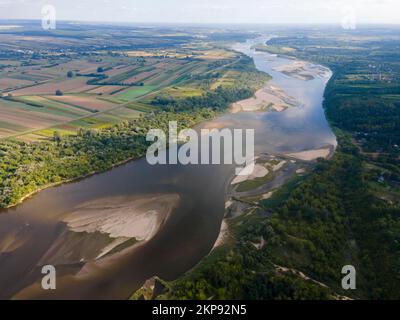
<point x="28" y="231"/>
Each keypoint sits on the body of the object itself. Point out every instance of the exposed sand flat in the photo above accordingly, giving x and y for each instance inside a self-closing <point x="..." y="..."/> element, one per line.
<point x="112" y="246"/>
<point x="120" y="217"/>
<point x="310" y="155"/>
<point x="279" y="165"/>
<point x="267" y="195"/>
<point x="303" y="70"/>
<point x="260" y="244"/>
<point x="268" y="97"/>
<point x="321" y="71"/>
<point x="259" y="172"/>
<point x="223" y="235"/>
<point x="72" y="247"/>
<point x="216" y="125"/>
<point x="12" y="241"/>
<point x="228" y="204"/>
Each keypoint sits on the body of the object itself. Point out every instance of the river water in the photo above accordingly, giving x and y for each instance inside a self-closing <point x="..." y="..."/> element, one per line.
<point x="28" y="231"/>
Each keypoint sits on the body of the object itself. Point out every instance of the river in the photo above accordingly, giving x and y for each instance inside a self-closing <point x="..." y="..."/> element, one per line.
<point x="29" y="231"/>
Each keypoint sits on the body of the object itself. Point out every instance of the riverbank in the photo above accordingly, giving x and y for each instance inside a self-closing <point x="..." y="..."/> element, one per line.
<point x="271" y="173"/>
<point x="314" y="154"/>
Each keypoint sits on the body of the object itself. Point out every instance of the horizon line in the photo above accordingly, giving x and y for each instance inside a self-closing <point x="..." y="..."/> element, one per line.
<point x="213" y="23"/>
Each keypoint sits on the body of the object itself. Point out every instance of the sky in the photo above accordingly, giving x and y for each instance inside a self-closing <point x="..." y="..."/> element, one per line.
<point x="209" y="11"/>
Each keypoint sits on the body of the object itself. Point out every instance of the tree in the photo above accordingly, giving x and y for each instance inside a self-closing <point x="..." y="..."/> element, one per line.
<point x="56" y="136"/>
<point x="59" y="92"/>
<point x="100" y="69"/>
<point x="70" y="74"/>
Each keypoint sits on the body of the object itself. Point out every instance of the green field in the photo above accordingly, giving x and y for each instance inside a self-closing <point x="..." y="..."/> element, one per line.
<point x="135" y="92"/>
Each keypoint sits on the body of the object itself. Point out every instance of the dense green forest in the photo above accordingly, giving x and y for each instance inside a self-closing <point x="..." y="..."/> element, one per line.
<point x="345" y="212"/>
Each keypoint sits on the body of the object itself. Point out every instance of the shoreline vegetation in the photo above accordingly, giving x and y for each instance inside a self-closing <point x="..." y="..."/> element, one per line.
<point x="262" y="172"/>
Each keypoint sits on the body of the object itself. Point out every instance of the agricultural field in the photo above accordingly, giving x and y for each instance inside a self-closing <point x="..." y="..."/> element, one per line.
<point x="18" y="117"/>
<point x="135" y="92"/>
<point x="32" y="73"/>
<point x="225" y="81"/>
<point x="100" y="90"/>
<point x="11" y="83"/>
<point x="183" y="92"/>
<point x="77" y="84"/>
<point x="49" y="105"/>
<point x="86" y="102"/>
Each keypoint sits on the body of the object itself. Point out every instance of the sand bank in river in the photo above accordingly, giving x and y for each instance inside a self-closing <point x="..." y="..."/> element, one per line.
<point x="310" y="155"/>
<point x="267" y="195"/>
<point x="223" y="235"/>
<point x="104" y="226"/>
<point x="12" y="240"/>
<point x="303" y="70"/>
<point x="119" y="217"/>
<point x="248" y="173"/>
<point x="268" y="97"/>
<point x="216" y="125"/>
